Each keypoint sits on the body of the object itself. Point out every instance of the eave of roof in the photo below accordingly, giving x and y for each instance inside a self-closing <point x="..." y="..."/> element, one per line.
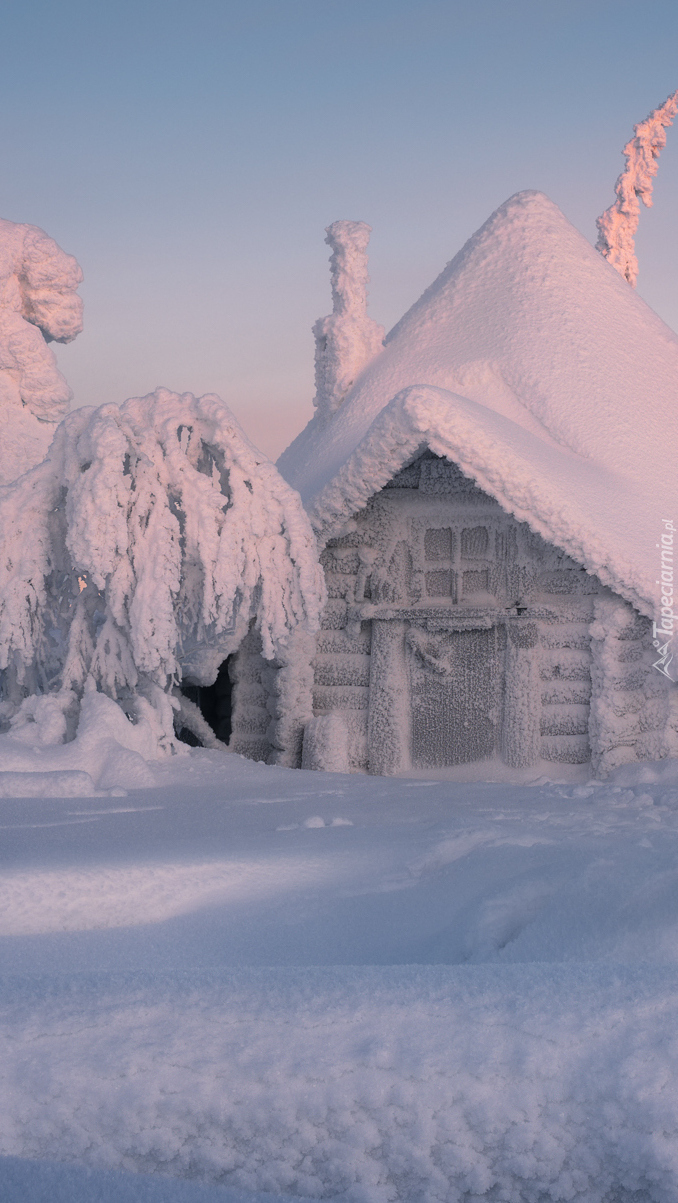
<point x="570" y="501"/>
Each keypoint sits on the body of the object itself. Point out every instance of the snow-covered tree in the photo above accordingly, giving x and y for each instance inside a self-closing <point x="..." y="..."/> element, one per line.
<point x="347" y="339"/>
<point x="139" y="553"/>
<point x="618" y="224"/>
<point x="38" y="305"/>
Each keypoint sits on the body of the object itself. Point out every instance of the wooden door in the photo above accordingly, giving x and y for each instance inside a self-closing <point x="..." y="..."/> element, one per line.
<point x="455" y="689"/>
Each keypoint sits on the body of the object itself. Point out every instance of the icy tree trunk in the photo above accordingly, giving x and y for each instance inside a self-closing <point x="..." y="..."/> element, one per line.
<point x="347" y="339"/>
<point x="618" y="224"/>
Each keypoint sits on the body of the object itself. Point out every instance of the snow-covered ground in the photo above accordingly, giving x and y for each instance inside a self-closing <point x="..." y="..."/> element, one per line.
<point x="236" y="978"/>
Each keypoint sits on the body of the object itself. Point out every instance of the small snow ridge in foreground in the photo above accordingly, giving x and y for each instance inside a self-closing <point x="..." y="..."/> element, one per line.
<point x="444" y="1084"/>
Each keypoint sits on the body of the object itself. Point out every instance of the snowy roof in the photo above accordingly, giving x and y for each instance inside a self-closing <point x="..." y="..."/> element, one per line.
<point x="534" y="366"/>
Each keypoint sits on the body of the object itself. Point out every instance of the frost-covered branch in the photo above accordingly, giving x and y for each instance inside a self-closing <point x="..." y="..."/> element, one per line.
<point x="347" y="339"/>
<point x="141" y="550"/>
<point x="618" y="224"/>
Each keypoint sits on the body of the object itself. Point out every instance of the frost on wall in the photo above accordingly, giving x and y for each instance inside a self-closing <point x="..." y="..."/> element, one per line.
<point x="141" y="552"/>
<point x="326" y="744"/>
<point x="38" y="305"/>
<point x="454" y="634"/>
<point x="347" y="339"/>
<point x="618" y="224"/>
<point x="632" y="707"/>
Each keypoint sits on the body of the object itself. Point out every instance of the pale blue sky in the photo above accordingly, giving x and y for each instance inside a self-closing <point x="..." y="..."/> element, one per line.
<point x="191" y="154"/>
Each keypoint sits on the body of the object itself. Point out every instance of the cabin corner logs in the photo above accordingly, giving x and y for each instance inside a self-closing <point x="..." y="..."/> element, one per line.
<point x="452" y="634"/>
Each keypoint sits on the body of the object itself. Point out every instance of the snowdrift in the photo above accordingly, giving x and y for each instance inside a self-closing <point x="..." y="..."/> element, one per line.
<point x="340" y="987"/>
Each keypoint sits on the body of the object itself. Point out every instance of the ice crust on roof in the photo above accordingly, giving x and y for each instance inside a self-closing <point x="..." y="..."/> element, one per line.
<point x="551" y="383"/>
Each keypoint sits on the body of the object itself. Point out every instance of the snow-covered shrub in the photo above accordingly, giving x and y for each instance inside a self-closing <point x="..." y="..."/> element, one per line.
<point x="140" y="552"/>
<point x="618" y="224"/>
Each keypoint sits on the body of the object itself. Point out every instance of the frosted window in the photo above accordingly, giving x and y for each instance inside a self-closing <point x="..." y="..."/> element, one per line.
<point x="474" y="542"/>
<point x="476" y="582"/>
<point x="440" y="584"/>
<point x="438" y="544"/>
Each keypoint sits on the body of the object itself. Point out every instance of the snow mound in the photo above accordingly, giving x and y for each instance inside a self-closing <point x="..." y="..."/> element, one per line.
<point x="109" y="752"/>
<point x="533" y="345"/>
<point x="59" y="783"/>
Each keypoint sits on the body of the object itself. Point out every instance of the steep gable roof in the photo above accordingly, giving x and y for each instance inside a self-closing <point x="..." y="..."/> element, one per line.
<point x="539" y="370"/>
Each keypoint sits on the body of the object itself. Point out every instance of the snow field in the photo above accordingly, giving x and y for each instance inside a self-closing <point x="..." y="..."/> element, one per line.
<point x="375" y="1084"/>
<point x="246" y="978"/>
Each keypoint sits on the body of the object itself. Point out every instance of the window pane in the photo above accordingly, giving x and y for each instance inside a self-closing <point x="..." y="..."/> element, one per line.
<point x="438" y="544"/>
<point x="440" y="584"/>
<point x="475" y="582"/>
<point x="474" y="542"/>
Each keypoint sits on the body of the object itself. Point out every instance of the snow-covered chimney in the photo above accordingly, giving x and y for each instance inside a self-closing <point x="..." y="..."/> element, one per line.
<point x="347" y="339"/>
<point x="618" y="224"/>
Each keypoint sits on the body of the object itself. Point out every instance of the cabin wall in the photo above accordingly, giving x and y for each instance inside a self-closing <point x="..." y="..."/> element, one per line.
<point x="633" y="708"/>
<point x="453" y="633"/>
<point x="341" y="664"/>
<point x="271" y="700"/>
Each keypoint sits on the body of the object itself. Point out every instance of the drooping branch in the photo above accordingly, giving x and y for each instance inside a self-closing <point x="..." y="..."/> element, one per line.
<point x="618" y="224"/>
<point x="142" y="549"/>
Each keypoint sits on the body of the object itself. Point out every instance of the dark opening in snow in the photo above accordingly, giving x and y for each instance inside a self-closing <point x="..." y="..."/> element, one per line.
<point x="214" y="703"/>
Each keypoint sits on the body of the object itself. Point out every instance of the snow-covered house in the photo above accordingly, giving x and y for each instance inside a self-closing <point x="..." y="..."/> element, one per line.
<point x="495" y="494"/>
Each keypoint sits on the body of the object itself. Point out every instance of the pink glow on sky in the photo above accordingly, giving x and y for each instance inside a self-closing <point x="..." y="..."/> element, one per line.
<point x="191" y="157"/>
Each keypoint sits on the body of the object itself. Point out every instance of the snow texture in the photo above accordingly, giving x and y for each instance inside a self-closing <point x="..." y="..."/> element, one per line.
<point x="38" y="304"/>
<point x="138" y="554"/>
<point x="531" y="365"/>
<point x="347" y="339"/>
<point x="326" y="744"/>
<point x="522" y="1085"/>
<point x="618" y="224"/>
<point x="630" y="705"/>
<point x="249" y="980"/>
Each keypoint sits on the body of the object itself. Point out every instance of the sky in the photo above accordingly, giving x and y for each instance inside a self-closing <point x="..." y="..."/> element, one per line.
<point x="190" y="154"/>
